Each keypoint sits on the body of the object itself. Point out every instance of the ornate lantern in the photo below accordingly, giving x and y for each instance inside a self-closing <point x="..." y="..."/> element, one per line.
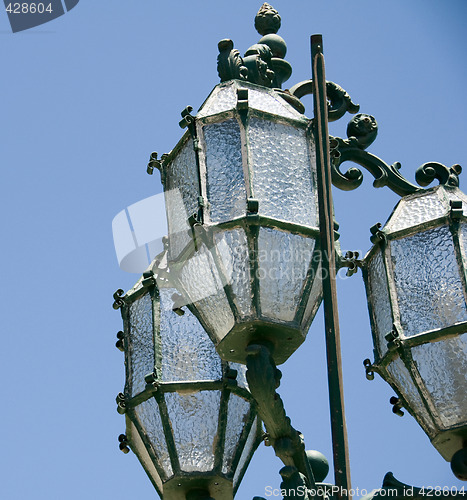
<point x="190" y="417"/>
<point x="242" y="207"/>
<point x="415" y="279"/>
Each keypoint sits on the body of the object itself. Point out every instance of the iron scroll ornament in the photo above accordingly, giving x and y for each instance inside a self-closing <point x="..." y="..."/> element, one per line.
<point x="361" y="132"/>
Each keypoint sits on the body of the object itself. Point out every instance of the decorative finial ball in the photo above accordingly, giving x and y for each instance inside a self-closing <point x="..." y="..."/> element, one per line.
<point x="364" y="128"/>
<point x="267" y="20"/>
<point x="319" y="465"/>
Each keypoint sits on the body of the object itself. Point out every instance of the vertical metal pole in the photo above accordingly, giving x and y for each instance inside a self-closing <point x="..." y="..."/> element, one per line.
<point x="326" y="224"/>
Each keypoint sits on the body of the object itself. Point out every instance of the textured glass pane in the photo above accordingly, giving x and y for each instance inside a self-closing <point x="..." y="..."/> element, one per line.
<point x="187" y="351"/>
<point x="222" y="99"/>
<point x="406" y="386"/>
<point x="237" y="416"/>
<point x="284" y="259"/>
<point x="250" y="442"/>
<point x="283" y="181"/>
<point x="315" y="297"/>
<point x="274" y="104"/>
<point x="463" y="241"/>
<point x="200" y="279"/>
<point x="416" y="210"/>
<point x="137" y="446"/>
<point x="225" y="180"/>
<point x="241" y="374"/>
<point x="151" y="423"/>
<point x="429" y="289"/>
<point x="194" y="418"/>
<point x="442" y="365"/>
<point x="181" y="197"/>
<point x="141" y="342"/>
<point x="233" y="249"/>
<point x="378" y="296"/>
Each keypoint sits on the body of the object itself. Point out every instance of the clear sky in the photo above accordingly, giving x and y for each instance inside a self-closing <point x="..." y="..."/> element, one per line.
<point x="85" y="99"/>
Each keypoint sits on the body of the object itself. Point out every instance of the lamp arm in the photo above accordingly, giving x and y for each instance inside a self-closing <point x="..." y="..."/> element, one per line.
<point x="263" y="379"/>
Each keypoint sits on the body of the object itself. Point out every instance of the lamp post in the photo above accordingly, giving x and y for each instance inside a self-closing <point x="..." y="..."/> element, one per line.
<point x="251" y="253"/>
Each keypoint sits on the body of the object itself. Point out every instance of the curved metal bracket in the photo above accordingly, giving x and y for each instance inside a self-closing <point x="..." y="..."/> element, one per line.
<point x="339" y="101"/>
<point x="263" y="379"/>
<point x="361" y="132"/>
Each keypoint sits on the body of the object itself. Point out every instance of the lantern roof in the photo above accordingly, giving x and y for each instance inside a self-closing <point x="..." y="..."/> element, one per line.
<point x="224" y="97"/>
<point x="422" y="207"/>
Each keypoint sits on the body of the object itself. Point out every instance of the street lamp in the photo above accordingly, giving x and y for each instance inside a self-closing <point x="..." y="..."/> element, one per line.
<point x="251" y="253"/>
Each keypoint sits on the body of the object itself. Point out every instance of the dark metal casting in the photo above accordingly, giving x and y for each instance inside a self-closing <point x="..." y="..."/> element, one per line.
<point x="263" y="63"/>
<point x="118" y="299"/>
<point x="263" y="379"/>
<point x="339" y="101"/>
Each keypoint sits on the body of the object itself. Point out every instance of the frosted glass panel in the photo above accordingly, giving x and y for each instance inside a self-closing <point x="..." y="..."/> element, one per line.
<point x="187" y="351"/>
<point x="377" y="290"/>
<point x="283" y="181"/>
<point x="265" y="101"/>
<point x="404" y="383"/>
<point x="250" y="442"/>
<point x="222" y="99"/>
<point x="225" y="180"/>
<point x="315" y="298"/>
<point x="137" y="446"/>
<point x="150" y="420"/>
<point x="237" y="415"/>
<point x="463" y="240"/>
<point x="233" y="249"/>
<point x="417" y="210"/>
<point x="141" y="343"/>
<point x="181" y="197"/>
<point x="201" y="280"/>
<point x="427" y="280"/>
<point x="442" y="365"/>
<point x="194" y="419"/>
<point x="284" y="259"/>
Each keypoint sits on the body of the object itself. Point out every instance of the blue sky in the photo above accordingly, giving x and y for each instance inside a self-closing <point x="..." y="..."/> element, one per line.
<point x="85" y="99"/>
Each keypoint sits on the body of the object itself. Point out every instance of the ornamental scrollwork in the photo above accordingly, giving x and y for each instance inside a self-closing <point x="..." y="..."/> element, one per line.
<point x="361" y="132"/>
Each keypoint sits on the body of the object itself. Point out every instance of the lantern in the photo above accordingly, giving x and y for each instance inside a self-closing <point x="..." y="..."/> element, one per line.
<point x="190" y="417"/>
<point x="415" y="279"/>
<point x="243" y="219"/>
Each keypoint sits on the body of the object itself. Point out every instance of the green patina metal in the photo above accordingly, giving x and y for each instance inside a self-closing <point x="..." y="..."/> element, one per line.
<point x="263" y="63"/>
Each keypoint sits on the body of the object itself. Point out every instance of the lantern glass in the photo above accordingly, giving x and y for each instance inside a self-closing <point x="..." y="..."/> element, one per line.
<point x="416" y="281"/>
<point x="225" y="180"/>
<point x="250" y="258"/>
<point x="442" y="367"/>
<point x="141" y="359"/>
<point x="283" y="181"/>
<point x="426" y="273"/>
<point x="185" y="355"/>
<point x="181" y="196"/>
<point x="284" y="261"/>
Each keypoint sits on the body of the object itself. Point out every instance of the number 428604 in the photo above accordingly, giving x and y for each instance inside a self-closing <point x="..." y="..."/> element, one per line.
<point x="28" y="8"/>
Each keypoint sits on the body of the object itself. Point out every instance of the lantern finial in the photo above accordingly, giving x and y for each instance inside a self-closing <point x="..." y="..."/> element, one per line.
<point x="267" y="20"/>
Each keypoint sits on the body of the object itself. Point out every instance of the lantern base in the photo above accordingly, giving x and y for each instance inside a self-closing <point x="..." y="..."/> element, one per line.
<point x="282" y="340"/>
<point x="449" y="442"/>
<point x="178" y="487"/>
